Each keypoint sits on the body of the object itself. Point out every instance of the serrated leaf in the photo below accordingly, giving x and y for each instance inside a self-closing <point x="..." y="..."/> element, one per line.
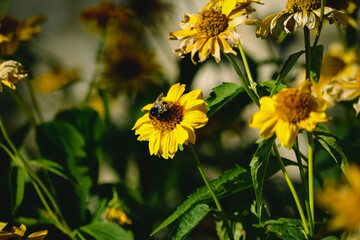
<point x="50" y="166"/>
<point x="221" y="95"/>
<point x="17" y="179"/>
<point x="288" y="65"/>
<point x="106" y="231"/>
<point x="232" y="181"/>
<point x="316" y="60"/>
<point x="188" y="221"/>
<point x="258" y="166"/>
<point x="286" y="228"/>
<point x="333" y="146"/>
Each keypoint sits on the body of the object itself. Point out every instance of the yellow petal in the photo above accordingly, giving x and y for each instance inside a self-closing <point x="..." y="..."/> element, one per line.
<point x="175" y="92"/>
<point x="196" y="119"/>
<point x="38" y="235"/>
<point x="141" y="121"/>
<point x="286" y="133"/>
<point x="181" y="34"/>
<point x="147" y="107"/>
<point x="2" y="225"/>
<point x="181" y="134"/>
<point x="191" y="132"/>
<point x="228" y="6"/>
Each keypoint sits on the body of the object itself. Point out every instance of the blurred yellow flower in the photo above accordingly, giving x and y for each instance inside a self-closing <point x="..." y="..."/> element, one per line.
<point x="18" y="232"/>
<point x="342" y="201"/>
<point x="298" y="13"/>
<point x="55" y="79"/>
<point x="128" y="67"/>
<point x="208" y="32"/>
<point x="11" y="72"/>
<point x="171" y="121"/>
<point x="107" y="14"/>
<point x="287" y="112"/>
<point x="117" y="215"/>
<point x="13" y="31"/>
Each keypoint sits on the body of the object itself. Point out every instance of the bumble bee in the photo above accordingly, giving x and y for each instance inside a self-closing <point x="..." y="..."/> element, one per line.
<point x="159" y="107"/>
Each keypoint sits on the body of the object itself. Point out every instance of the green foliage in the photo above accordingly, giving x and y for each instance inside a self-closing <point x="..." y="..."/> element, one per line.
<point x="237" y="229"/>
<point x="285" y="228"/>
<point x="221" y="95"/>
<point x="316" y="60"/>
<point x="188" y="221"/>
<point x="17" y="179"/>
<point x="106" y="231"/>
<point x="332" y="145"/>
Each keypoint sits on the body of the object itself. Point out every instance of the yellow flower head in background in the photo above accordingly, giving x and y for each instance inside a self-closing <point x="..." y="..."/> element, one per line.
<point x="287" y="112"/>
<point x="342" y="201"/>
<point x="107" y="14"/>
<point x="298" y="13"/>
<point x="172" y="120"/>
<point x="13" y="31"/>
<point x="55" y="79"/>
<point x="208" y="32"/>
<point x="18" y="232"/>
<point x="117" y="215"/>
<point x="347" y="6"/>
<point x="128" y="66"/>
<point x="337" y="80"/>
<point x="11" y="72"/>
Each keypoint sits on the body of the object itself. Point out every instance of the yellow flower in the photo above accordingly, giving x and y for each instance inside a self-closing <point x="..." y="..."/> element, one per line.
<point x="287" y="112"/>
<point x="107" y="14"/>
<point x="128" y="66"/>
<point x="55" y="79"/>
<point x="18" y="232"/>
<point x="176" y="125"/>
<point x="208" y="32"/>
<point x="347" y="6"/>
<point x="239" y="3"/>
<point x="342" y="201"/>
<point x="117" y="215"/>
<point x="298" y="13"/>
<point x="12" y="32"/>
<point x="11" y="72"/>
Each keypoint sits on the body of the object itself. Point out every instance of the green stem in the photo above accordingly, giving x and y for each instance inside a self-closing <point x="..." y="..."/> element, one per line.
<point x="97" y="67"/>
<point x="217" y="203"/>
<point x="26" y="110"/>
<point x="35" y="101"/>
<point x="311" y="174"/>
<point x="307" y="51"/>
<point x="292" y="189"/>
<point x="36" y="181"/>
<point x="247" y="69"/>
<point x="249" y="91"/>
<point x="320" y="24"/>
<point x="305" y="185"/>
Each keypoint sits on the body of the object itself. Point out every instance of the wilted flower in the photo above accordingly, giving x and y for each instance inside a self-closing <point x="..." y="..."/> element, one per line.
<point x="209" y="31"/>
<point x="107" y="14"/>
<point x="55" y="79"/>
<point x="342" y="201"/>
<point x="18" y="232"/>
<point x="128" y="67"/>
<point x="298" y="13"/>
<point x="347" y="6"/>
<point x="171" y="121"/>
<point x="11" y="72"/>
<point x="287" y="112"/>
<point x="13" y="31"/>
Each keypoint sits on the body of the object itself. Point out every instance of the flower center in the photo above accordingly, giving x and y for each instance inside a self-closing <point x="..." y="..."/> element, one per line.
<point x="302" y="5"/>
<point x="167" y="121"/>
<point x="211" y="23"/>
<point x="293" y="105"/>
<point x="332" y="66"/>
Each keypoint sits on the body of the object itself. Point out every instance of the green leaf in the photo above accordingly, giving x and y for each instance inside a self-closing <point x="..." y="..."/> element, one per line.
<point x="106" y="231"/>
<point x="17" y="179"/>
<point x="50" y="166"/>
<point x="264" y="88"/>
<point x="221" y="95"/>
<point x="258" y="166"/>
<point x="188" y="221"/>
<point x="4" y="6"/>
<point x="237" y="229"/>
<point x="333" y="146"/>
<point x="330" y="238"/>
<point x="316" y="60"/>
<point x="289" y="63"/>
<point x="285" y="228"/>
<point x="232" y="181"/>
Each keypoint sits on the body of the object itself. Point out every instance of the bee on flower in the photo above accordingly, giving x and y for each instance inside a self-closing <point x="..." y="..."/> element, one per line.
<point x="287" y="112"/>
<point x="171" y="121"/>
<point x="212" y="30"/>
<point x="298" y="13"/>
